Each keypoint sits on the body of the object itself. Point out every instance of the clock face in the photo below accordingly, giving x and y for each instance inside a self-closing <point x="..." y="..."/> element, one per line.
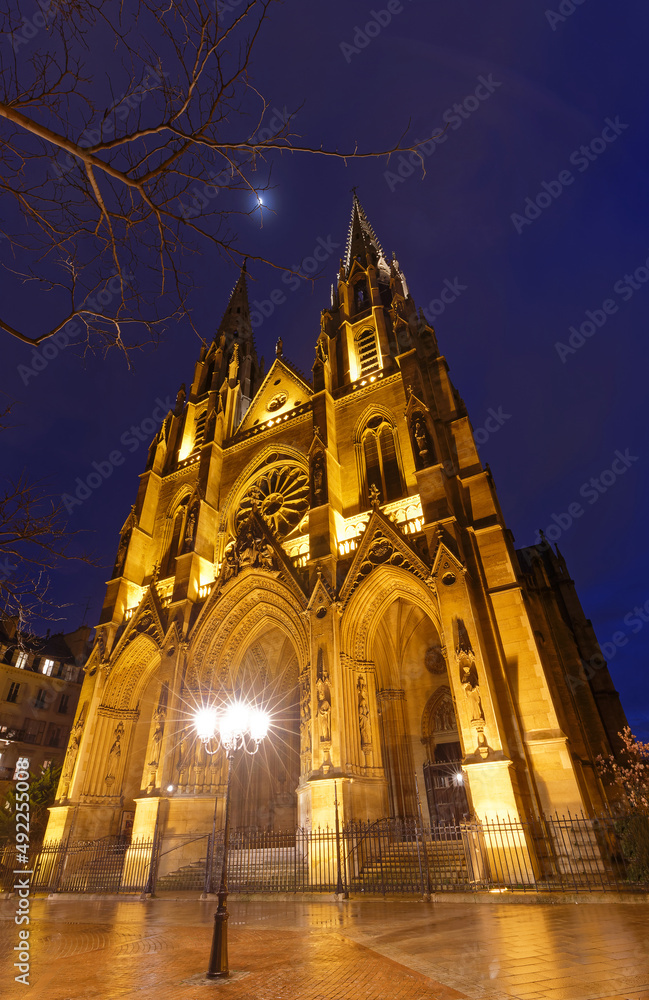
<point x="278" y="400"/>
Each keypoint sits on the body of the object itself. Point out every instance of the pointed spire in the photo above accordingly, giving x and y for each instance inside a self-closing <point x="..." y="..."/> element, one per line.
<point x="362" y="241"/>
<point x="236" y="319"/>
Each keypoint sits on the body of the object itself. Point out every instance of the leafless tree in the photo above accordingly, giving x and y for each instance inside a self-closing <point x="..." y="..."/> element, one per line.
<point x="132" y="137"/>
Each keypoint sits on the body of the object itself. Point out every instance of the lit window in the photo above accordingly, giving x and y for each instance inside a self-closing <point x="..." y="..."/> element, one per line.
<point x="368" y="355"/>
<point x="48" y="667"/>
<point x="21" y="661"/>
<point x="381" y="463"/>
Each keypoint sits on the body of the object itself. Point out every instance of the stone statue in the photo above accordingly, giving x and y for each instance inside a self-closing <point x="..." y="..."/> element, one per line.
<point x="421" y="437"/>
<point x="190" y="528"/>
<point x="469" y="681"/>
<point x="71" y="755"/>
<point x="363" y="712"/>
<point x="318" y="479"/>
<point x="305" y="715"/>
<point x="444" y="719"/>
<point x="323" y="694"/>
<point x="115" y="753"/>
<point x="230" y="561"/>
<point x="375" y="496"/>
<point x="159" y="717"/>
<point x="121" y="552"/>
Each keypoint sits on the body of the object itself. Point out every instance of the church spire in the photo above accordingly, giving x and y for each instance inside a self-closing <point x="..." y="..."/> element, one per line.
<point x="236" y="319"/>
<point x="362" y="242"/>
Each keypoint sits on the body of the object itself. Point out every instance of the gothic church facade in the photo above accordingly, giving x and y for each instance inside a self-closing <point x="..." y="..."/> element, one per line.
<point x="333" y="549"/>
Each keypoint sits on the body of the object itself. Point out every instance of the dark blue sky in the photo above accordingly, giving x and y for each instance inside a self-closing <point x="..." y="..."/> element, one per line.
<point x="552" y="86"/>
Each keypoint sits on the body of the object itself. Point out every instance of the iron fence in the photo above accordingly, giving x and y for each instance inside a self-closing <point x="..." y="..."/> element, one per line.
<point x="566" y="853"/>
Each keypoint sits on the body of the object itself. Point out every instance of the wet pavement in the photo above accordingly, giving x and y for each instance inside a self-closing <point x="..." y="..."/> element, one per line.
<point x="106" y="949"/>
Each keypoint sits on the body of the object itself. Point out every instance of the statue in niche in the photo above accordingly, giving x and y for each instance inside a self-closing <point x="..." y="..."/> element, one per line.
<point x="363" y="712"/>
<point x="318" y="480"/>
<point x="159" y="717"/>
<point x="421" y="438"/>
<point x="72" y="754"/>
<point x="190" y="528"/>
<point x="305" y="715"/>
<point x="469" y="681"/>
<point x="114" y="753"/>
<point x="183" y="752"/>
<point x="266" y="556"/>
<point x="323" y="694"/>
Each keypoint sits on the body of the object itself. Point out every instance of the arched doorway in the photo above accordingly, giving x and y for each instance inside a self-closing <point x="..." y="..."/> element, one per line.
<point x="264" y="786"/>
<point x="410" y="668"/>
<point x="443" y="778"/>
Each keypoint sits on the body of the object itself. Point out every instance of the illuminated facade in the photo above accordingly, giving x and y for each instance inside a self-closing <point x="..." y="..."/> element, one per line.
<point x="334" y="548"/>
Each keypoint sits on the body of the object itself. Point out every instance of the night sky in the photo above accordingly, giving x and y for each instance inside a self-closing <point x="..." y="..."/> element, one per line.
<point x="533" y="87"/>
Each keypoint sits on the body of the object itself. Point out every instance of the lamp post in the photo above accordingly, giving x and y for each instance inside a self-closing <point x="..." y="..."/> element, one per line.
<point x="237" y="726"/>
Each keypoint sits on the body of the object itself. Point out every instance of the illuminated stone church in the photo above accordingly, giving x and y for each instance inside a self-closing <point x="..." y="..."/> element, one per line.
<point x="333" y="549"/>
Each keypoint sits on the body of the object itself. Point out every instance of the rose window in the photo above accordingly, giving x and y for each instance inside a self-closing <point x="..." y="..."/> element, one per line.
<point x="281" y="496"/>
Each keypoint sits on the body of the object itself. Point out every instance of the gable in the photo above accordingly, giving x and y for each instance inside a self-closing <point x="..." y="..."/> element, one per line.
<point x="281" y="391"/>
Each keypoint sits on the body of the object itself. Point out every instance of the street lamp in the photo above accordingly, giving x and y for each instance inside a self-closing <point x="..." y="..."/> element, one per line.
<point x="237" y="726"/>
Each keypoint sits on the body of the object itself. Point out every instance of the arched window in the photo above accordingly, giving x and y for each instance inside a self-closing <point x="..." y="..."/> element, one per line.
<point x="361" y="296"/>
<point x="200" y="429"/>
<point x="381" y="462"/>
<point x="174" y="539"/>
<point x="367" y="351"/>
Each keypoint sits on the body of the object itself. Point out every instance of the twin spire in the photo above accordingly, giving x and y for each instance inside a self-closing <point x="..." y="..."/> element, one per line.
<point x="362" y="242"/>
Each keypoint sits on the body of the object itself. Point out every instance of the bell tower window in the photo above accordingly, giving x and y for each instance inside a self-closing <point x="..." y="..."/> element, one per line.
<point x="381" y="461"/>
<point x="367" y="350"/>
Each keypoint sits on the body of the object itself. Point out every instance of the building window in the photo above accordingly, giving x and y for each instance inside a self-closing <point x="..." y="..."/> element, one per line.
<point x="47" y="668"/>
<point x="200" y="429"/>
<point x="33" y="731"/>
<point x="13" y="693"/>
<point x="54" y="736"/>
<point x="381" y="462"/>
<point x="70" y="672"/>
<point x="168" y="565"/>
<point x="40" y="700"/>
<point x="21" y="661"/>
<point x="367" y="351"/>
<point x="63" y="704"/>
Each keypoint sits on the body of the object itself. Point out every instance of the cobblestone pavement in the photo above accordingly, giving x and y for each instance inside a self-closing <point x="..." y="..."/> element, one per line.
<point x="94" y="949"/>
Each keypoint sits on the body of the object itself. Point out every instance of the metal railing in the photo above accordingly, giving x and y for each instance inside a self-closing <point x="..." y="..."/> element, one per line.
<point x="554" y="854"/>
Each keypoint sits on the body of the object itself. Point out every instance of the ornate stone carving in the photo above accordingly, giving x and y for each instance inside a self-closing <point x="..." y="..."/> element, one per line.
<point x="249" y="549"/>
<point x="363" y="713"/>
<point x="276" y="402"/>
<point x="114" y="754"/>
<point x="444" y="715"/>
<point x="72" y="753"/>
<point x="305" y="714"/>
<point x="280" y="496"/>
<point x="434" y="660"/>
